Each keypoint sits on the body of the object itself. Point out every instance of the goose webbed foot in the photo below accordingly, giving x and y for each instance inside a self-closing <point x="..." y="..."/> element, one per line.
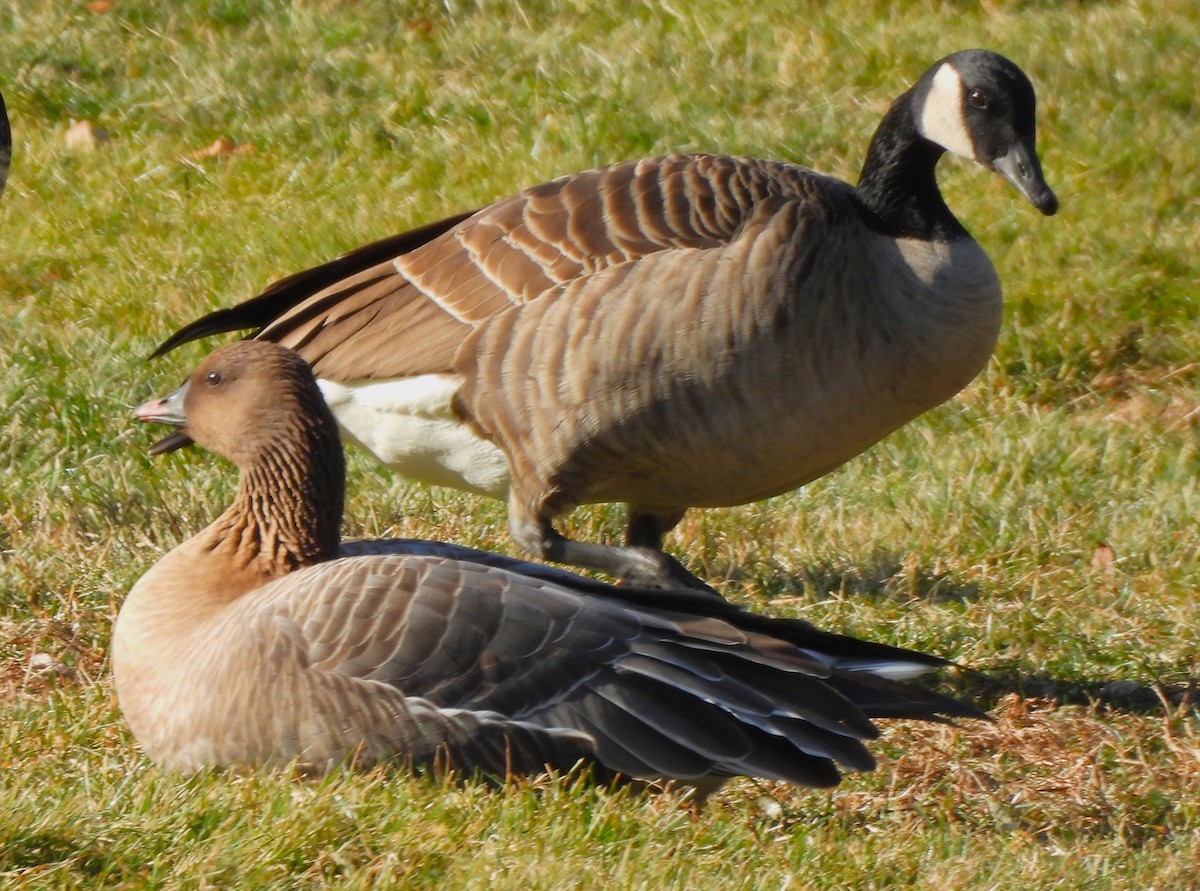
<point x="645" y="567"/>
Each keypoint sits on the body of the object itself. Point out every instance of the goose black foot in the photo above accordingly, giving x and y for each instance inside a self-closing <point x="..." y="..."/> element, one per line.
<point x="649" y="568"/>
<point x="638" y="566"/>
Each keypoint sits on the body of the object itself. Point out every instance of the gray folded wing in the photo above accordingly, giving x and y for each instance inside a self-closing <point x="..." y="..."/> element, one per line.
<point x="427" y="659"/>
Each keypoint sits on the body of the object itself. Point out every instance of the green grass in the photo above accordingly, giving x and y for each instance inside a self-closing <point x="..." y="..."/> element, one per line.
<point x="1042" y="528"/>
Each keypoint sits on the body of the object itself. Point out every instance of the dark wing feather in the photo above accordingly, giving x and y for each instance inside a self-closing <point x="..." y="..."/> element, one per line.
<point x="286" y="293"/>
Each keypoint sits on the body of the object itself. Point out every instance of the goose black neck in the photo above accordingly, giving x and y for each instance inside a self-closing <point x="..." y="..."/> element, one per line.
<point x="898" y="185"/>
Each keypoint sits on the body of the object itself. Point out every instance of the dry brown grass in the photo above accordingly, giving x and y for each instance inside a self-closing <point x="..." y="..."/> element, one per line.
<point x="1044" y="770"/>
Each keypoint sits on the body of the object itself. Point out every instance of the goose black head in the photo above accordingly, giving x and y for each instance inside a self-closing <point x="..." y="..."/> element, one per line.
<point x="979" y="105"/>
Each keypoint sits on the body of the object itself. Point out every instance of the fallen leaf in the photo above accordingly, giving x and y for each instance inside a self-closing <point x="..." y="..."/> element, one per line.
<point x="100" y="6"/>
<point x="1103" y="558"/>
<point x="85" y="136"/>
<point x="221" y="148"/>
<point x="421" y="27"/>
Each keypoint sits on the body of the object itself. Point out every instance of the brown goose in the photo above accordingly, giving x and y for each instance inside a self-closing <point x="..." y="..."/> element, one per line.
<point x="673" y="332"/>
<point x="263" y="641"/>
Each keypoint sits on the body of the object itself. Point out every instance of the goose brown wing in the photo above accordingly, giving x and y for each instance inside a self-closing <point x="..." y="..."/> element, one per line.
<point x="403" y="306"/>
<point x="287" y="293"/>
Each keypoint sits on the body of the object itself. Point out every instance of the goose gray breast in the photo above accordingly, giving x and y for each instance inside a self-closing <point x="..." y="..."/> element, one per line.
<point x="263" y="640"/>
<point x="672" y="332"/>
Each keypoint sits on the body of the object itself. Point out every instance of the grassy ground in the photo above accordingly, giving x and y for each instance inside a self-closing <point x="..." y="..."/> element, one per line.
<point x="1041" y="528"/>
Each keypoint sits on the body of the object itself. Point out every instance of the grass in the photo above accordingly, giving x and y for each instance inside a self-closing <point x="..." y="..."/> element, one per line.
<point x="1041" y="528"/>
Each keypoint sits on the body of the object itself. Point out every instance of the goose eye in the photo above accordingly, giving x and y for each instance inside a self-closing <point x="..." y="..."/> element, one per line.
<point x="977" y="99"/>
<point x="213" y="378"/>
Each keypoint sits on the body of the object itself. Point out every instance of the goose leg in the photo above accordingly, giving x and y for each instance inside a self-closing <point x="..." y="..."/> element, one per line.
<point x="645" y="527"/>
<point x="639" y="565"/>
<point x="644" y="530"/>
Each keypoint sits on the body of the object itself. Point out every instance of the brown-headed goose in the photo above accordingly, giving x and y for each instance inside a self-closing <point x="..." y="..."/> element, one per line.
<point x="262" y="641"/>
<point x="691" y="330"/>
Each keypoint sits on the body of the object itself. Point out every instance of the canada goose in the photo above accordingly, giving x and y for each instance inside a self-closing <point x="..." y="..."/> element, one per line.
<point x="673" y="332"/>
<point x="263" y="640"/>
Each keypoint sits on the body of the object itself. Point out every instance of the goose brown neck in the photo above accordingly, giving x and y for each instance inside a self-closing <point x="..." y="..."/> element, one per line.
<point x="288" y="509"/>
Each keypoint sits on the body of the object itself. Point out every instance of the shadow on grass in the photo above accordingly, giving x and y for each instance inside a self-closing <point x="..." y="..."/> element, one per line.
<point x="40" y="850"/>
<point x="884" y="575"/>
<point x="985" y="689"/>
<point x="891" y="576"/>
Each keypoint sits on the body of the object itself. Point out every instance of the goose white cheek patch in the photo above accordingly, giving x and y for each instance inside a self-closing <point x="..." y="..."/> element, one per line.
<point x="942" y="114"/>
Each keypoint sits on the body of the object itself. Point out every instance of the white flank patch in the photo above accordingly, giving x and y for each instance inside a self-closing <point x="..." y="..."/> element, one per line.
<point x="407" y="424"/>
<point x="941" y="118"/>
